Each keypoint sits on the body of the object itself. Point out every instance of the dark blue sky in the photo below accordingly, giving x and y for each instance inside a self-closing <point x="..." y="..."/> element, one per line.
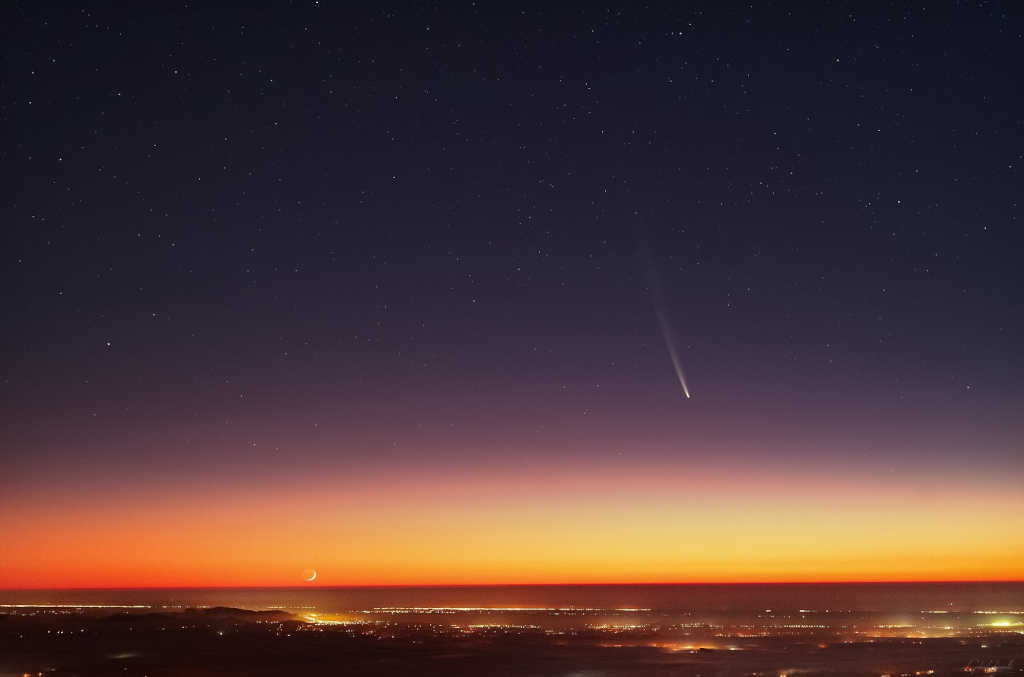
<point x="374" y="233"/>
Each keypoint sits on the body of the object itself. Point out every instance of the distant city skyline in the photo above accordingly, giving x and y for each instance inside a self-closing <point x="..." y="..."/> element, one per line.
<point x="679" y="630"/>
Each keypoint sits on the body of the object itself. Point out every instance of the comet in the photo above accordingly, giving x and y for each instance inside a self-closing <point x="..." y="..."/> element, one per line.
<point x="666" y="327"/>
<point x="661" y="311"/>
<point x="666" y="331"/>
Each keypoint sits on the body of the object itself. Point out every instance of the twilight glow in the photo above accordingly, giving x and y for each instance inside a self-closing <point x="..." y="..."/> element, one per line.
<point x="336" y="295"/>
<point x="602" y="526"/>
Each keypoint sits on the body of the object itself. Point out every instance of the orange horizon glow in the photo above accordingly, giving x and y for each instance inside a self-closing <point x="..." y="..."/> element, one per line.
<point x="646" y="527"/>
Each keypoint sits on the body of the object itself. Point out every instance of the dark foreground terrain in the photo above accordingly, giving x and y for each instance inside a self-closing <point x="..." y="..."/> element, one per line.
<point x="224" y="642"/>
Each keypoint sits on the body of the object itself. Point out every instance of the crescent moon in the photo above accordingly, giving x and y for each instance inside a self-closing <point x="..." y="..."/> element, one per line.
<point x="309" y="574"/>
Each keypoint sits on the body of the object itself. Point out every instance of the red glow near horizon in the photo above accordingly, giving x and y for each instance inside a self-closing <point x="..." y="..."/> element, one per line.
<point x="603" y="527"/>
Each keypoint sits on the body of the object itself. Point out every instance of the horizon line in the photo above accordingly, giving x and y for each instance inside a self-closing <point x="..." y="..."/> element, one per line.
<point x="518" y="585"/>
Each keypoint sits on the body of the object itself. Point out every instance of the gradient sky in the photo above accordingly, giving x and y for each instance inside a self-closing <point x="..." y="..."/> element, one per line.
<point x="377" y="289"/>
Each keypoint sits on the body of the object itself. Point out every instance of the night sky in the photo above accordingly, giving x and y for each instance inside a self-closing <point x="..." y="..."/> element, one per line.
<point x="383" y="290"/>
